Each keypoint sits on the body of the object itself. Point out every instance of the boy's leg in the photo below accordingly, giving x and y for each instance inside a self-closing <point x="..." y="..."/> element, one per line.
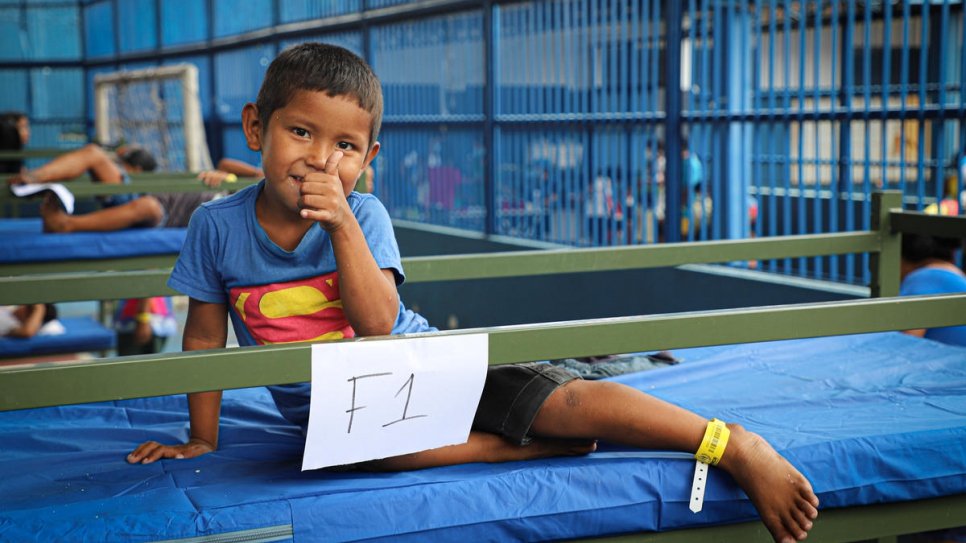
<point x="73" y="164"/>
<point x="483" y="447"/>
<point x="512" y="396"/>
<point x="145" y="211"/>
<point x="622" y="414"/>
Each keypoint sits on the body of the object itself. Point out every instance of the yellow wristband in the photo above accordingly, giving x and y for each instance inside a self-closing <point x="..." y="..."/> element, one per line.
<point x="714" y="443"/>
<point x="143" y="317"/>
<point x="231" y="178"/>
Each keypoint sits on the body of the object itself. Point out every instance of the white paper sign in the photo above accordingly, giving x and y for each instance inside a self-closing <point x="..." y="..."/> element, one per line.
<point x="387" y="398"/>
<point x="66" y="197"/>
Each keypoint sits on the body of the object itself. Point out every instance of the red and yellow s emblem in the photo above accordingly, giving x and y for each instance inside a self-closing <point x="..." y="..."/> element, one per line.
<point x="303" y="310"/>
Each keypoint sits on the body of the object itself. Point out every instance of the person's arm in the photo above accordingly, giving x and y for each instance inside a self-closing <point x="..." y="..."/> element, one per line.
<point x="239" y="168"/>
<point x="142" y="322"/>
<point x="229" y="169"/>
<point x="369" y="297"/>
<point x="205" y="328"/>
<point x="30" y="323"/>
<point x="918" y="332"/>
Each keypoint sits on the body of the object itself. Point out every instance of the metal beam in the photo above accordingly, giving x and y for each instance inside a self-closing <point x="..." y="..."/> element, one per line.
<point x="47" y="284"/>
<point x="41" y="385"/>
<point x="523" y="263"/>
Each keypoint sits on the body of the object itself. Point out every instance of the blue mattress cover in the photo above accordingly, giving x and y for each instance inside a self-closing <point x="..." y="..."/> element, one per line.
<point x="872" y="418"/>
<point x="80" y="334"/>
<point x="23" y="240"/>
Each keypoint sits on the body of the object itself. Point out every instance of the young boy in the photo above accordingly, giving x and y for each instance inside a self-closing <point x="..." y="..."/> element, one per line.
<point x="256" y="254"/>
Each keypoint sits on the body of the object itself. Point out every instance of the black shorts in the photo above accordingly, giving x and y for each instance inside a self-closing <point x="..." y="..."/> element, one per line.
<point x="512" y="396"/>
<point x="179" y="206"/>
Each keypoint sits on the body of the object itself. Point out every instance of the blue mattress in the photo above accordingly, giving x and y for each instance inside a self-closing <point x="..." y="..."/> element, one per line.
<point x="22" y="240"/>
<point x="869" y="419"/>
<point x="80" y="334"/>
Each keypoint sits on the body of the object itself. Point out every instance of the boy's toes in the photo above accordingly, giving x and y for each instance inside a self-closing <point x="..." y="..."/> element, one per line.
<point x="797" y="526"/>
<point x="802" y="522"/>
<point x="808" y="509"/>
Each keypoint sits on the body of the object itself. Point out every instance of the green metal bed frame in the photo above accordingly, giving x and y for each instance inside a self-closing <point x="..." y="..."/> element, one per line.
<point x="31" y="386"/>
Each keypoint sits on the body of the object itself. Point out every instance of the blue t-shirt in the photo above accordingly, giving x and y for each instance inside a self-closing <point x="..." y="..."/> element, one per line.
<point x="274" y="295"/>
<point x="937" y="281"/>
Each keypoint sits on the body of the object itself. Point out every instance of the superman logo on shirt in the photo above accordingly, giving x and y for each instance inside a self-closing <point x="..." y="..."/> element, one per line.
<point x="302" y="310"/>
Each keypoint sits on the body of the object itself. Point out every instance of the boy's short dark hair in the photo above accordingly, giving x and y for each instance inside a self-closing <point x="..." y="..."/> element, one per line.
<point x="50" y="313"/>
<point x="12" y="116"/>
<point x="320" y="67"/>
<point x="920" y="247"/>
<point x="139" y="157"/>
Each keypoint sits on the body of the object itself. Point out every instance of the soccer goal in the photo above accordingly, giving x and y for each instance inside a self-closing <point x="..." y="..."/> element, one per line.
<point x="156" y="108"/>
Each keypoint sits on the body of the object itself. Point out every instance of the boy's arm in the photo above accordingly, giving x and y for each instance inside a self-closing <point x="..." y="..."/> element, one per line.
<point x="369" y="297"/>
<point x="33" y="319"/>
<point x="205" y="328"/>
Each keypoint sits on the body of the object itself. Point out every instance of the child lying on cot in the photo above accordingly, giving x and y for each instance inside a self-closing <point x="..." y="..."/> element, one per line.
<point x="315" y="122"/>
<point x="118" y="211"/>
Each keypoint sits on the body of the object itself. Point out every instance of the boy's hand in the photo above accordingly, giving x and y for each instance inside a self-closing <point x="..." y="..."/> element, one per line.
<point x="322" y="197"/>
<point x="150" y="451"/>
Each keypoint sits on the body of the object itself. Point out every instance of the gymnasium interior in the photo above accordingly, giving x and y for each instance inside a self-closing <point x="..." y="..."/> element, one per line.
<point x="711" y="202"/>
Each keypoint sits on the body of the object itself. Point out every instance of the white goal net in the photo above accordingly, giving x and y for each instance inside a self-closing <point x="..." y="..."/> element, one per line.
<point x="155" y="108"/>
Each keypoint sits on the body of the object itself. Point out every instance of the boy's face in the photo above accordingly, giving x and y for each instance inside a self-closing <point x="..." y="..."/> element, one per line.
<point x="300" y="137"/>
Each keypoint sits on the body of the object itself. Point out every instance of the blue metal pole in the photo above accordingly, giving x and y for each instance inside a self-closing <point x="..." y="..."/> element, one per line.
<point x="738" y="144"/>
<point x="672" y="130"/>
<point x="491" y="108"/>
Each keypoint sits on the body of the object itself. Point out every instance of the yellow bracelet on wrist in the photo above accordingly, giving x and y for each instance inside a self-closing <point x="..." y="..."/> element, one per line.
<point x="713" y="445"/>
<point x="143" y="317"/>
<point x="231" y="178"/>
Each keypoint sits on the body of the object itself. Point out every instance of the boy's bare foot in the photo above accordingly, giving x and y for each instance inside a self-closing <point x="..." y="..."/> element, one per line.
<point x="55" y="219"/>
<point x="784" y="498"/>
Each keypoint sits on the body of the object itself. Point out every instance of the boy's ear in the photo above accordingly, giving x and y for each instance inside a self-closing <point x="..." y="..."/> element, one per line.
<point x="252" y="126"/>
<point x="371" y="155"/>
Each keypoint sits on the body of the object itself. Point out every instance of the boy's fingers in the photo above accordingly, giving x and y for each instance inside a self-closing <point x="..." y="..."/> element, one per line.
<point x="162" y="452"/>
<point x="314" y="215"/>
<point x="138" y="454"/>
<point x="332" y="164"/>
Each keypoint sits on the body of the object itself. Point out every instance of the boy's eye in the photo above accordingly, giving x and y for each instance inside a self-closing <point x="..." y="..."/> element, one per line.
<point x="300" y="132"/>
<point x="344" y="145"/>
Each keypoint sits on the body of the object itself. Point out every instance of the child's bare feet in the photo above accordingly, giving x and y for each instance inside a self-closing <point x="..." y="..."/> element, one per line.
<point x="782" y="495"/>
<point x="54" y="217"/>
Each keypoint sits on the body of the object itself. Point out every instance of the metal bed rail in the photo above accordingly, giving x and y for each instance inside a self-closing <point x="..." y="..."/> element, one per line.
<point x="146" y="276"/>
<point x="24" y="387"/>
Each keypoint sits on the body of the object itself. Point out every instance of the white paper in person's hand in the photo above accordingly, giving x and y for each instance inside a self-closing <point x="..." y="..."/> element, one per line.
<point x="390" y="397"/>
<point x="65" y="196"/>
